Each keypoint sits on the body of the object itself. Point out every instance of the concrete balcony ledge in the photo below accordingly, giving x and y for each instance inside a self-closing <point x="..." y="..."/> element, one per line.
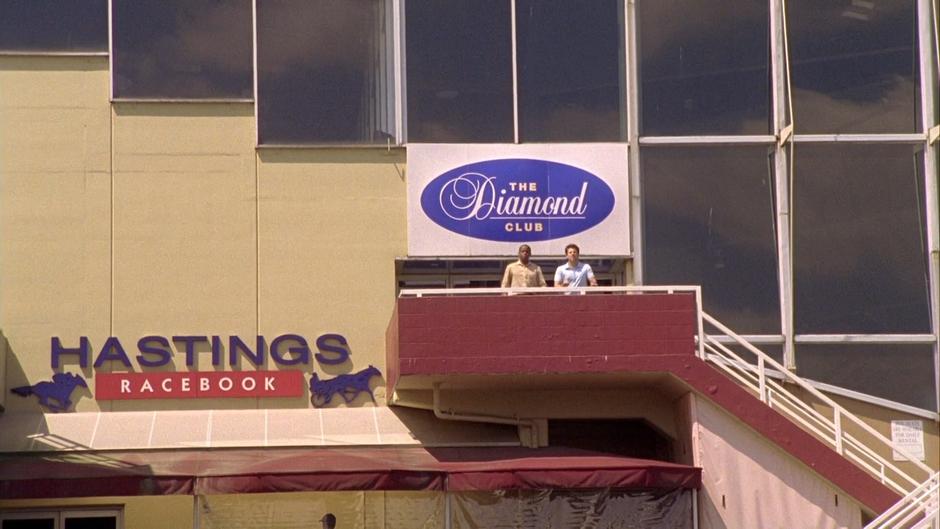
<point x="545" y="332"/>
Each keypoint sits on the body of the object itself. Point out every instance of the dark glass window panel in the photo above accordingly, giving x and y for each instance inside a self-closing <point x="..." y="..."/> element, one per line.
<point x="901" y="373"/>
<point x="182" y="49"/>
<point x="772" y="350"/>
<point x="54" y="25"/>
<point x="93" y="522"/>
<point x="424" y="266"/>
<point x="478" y="267"/>
<point x="570" y="73"/>
<point x="859" y="261"/>
<point x="459" y="70"/>
<point x="323" y="72"/>
<point x="854" y="66"/>
<point x="33" y="523"/>
<point x="709" y="220"/>
<point x="466" y="282"/>
<point x="704" y="67"/>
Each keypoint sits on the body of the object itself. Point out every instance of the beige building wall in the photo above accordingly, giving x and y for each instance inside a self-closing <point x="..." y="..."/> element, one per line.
<point x="134" y="218"/>
<point x="331" y="223"/>
<point x="749" y="482"/>
<point x="184" y="228"/>
<point x="55" y="209"/>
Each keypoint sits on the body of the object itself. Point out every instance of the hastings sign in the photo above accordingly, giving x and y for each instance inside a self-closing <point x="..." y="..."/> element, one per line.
<point x="158" y="379"/>
<point x="489" y="206"/>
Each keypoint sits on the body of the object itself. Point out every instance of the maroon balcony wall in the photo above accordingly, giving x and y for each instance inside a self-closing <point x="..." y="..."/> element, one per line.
<point x="537" y="333"/>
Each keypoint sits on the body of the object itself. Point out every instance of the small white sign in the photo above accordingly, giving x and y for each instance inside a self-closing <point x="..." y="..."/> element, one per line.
<point x="908" y="436"/>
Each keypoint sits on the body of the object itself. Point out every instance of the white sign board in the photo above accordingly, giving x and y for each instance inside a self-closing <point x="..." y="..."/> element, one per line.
<point x="908" y="436"/>
<point x="487" y="199"/>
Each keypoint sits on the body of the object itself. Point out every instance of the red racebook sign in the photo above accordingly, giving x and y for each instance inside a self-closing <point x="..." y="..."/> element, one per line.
<point x="198" y="385"/>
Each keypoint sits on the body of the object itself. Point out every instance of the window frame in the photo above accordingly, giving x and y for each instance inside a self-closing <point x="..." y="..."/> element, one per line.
<point x="59" y="516"/>
<point x="739" y="144"/>
<point x="52" y="53"/>
<point x="395" y="28"/>
<point x="784" y="142"/>
<point x="627" y="121"/>
<point x="208" y="100"/>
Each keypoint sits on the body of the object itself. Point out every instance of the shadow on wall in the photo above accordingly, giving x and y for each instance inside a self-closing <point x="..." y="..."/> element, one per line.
<point x="33" y="63"/>
<point x="23" y="425"/>
<point x="338" y="155"/>
<point x="423" y="427"/>
<point x="59" y="391"/>
<point x="185" y="110"/>
<point x="3" y="371"/>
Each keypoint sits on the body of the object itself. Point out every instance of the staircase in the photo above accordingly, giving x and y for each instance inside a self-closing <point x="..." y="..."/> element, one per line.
<point x="842" y="431"/>
<point x="917" y="510"/>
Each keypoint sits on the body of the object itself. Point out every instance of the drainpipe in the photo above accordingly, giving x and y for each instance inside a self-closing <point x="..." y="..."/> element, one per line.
<point x="528" y="428"/>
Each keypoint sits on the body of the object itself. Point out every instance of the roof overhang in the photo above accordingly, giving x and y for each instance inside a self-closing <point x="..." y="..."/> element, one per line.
<point x="60" y="475"/>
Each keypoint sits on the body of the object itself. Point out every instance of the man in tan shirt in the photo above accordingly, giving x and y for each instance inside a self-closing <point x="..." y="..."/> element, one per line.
<point x="522" y="273"/>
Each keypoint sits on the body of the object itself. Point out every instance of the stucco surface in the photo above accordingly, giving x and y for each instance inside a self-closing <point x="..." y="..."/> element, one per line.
<point x="748" y="482"/>
<point x="137" y="218"/>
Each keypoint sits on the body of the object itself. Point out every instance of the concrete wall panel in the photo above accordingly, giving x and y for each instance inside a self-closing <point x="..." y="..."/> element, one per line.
<point x="748" y="482"/>
<point x="184" y="228"/>
<point x="331" y="225"/>
<point x="54" y="209"/>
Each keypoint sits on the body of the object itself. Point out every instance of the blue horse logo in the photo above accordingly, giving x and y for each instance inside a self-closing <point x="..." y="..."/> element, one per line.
<point x="347" y="386"/>
<point x="55" y="395"/>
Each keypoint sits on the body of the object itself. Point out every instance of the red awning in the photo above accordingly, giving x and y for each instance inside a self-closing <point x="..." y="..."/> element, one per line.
<point x="223" y="471"/>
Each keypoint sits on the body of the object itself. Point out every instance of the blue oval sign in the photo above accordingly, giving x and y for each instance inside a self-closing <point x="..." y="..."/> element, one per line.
<point x="517" y="200"/>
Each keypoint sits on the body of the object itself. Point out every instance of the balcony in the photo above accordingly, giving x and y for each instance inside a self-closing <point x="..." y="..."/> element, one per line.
<point x="638" y="338"/>
<point x="456" y="334"/>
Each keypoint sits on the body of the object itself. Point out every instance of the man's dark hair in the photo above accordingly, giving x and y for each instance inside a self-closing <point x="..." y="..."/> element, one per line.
<point x="575" y="246"/>
<point x="329" y="521"/>
<point x="527" y="247"/>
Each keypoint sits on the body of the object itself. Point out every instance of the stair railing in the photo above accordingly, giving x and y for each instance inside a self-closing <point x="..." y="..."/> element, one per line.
<point x="918" y="510"/>
<point x="767" y="378"/>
